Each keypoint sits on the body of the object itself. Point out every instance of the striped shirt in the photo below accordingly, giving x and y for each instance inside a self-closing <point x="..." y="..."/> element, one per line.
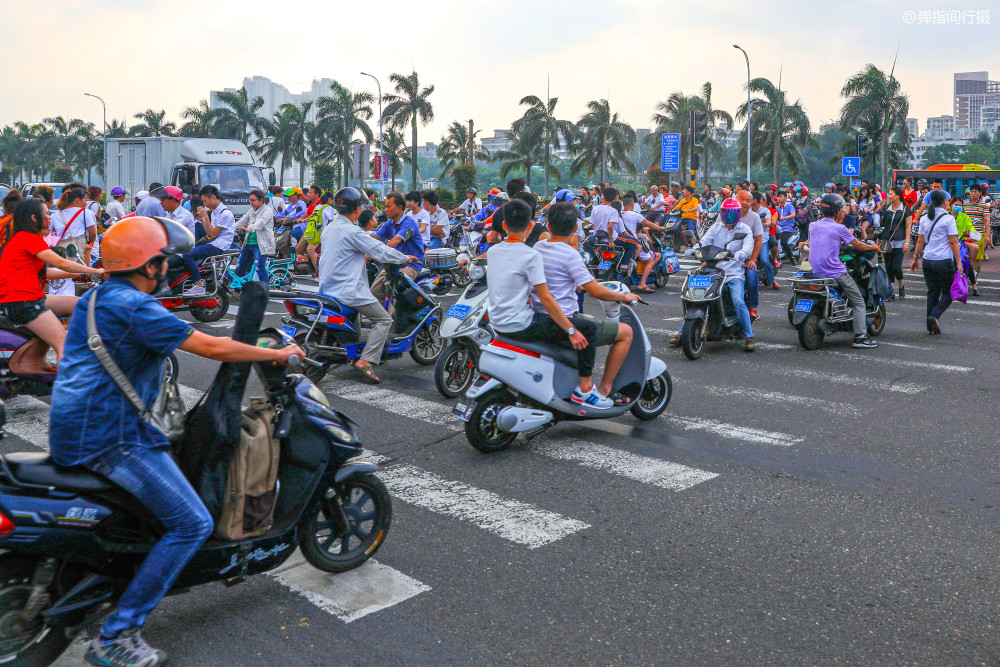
<point x="980" y="214"/>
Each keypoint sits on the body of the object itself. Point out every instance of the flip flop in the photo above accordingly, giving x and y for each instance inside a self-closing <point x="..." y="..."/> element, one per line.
<point x="619" y="399"/>
<point x="645" y="290"/>
<point x="368" y="373"/>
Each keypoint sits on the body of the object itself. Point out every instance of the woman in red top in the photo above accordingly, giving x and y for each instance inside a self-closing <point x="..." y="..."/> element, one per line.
<point x="909" y="194"/>
<point x="23" y="272"/>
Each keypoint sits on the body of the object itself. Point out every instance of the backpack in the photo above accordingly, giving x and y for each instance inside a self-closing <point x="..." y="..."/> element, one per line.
<point x="803" y="212"/>
<point x="314" y="228"/>
<point x="251" y="492"/>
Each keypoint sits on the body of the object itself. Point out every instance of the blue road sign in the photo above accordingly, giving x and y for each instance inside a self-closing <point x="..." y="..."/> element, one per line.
<point x="670" y="152"/>
<point x="850" y="166"/>
<point x="855" y="182"/>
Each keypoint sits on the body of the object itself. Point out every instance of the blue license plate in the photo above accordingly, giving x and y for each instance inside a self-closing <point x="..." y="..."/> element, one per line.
<point x="699" y="281"/>
<point x="289" y="330"/>
<point x="604" y="266"/>
<point x="803" y="305"/>
<point x="458" y="311"/>
<point x="797" y="274"/>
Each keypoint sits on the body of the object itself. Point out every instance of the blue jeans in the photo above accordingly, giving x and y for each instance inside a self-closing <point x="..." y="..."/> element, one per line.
<point x="764" y="259"/>
<point x="153" y="478"/>
<point x="753" y="287"/>
<point x="193" y="258"/>
<point x="435" y="243"/>
<point x="250" y="254"/>
<point x="736" y="287"/>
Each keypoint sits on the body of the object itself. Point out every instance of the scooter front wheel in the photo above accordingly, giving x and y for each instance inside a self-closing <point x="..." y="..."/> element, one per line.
<point x="655" y="397"/>
<point x="482" y="430"/>
<point x="661" y="279"/>
<point x="314" y="373"/>
<point x="693" y="339"/>
<point x="455" y="370"/>
<point x="363" y="501"/>
<point x="461" y="277"/>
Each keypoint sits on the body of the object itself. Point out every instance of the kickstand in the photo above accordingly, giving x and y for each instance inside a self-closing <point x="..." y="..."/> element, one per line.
<point x="529" y="435"/>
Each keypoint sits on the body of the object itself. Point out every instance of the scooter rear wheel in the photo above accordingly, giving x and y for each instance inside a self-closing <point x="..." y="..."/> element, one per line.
<point x="427" y="344"/>
<point x="481" y="429"/>
<point x="811" y="333"/>
<point x="877" y="325"/>
<point x="36" y="645"/>
<point x="314" y="373"/>
<point x="655" y="397"/>
<point x="661" y="279"/>
<point x="214" y="313"/>
<point x="365" y="502"/>
<point x="693" y="339"/>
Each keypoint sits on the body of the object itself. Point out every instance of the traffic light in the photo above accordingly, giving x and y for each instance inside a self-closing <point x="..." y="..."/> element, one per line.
<point x="862" y="146"/>
<point x="699" y="124"/>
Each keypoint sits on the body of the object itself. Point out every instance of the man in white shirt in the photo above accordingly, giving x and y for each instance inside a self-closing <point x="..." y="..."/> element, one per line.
<point x="342" y="272"/>
<point x="170" y="199"/>
<point x="655" y="201"/>
<point x="116" y="207"/>
<point x="221" y="228"/>
<point x="471" y="205"/>
<point x="438" y="225"/>
<point x="82" y="225"/>
<point x="604" y="216"/>
<point x="413" y="206"/>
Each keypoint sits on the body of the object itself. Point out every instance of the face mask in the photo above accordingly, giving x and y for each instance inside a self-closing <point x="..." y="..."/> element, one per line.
<point x="956" y="208"/>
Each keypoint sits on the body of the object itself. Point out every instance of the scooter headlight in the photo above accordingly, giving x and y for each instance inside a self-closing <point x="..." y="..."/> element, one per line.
<point x="477" y="272"/>
<point x="340" y="433"/>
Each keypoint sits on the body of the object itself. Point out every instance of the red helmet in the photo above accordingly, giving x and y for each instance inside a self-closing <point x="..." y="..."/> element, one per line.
<point x="772" y="186"/>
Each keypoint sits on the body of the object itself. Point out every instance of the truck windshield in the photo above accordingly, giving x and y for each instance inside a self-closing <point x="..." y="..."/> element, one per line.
<point x="233" y="180"/>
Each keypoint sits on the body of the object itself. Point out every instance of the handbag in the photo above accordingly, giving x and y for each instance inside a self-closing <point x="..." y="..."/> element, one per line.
<point x="52" y="239"/>
<point x="960" y="288"/>
<point x="885" y="237"/>
<point x="167" y="411"/>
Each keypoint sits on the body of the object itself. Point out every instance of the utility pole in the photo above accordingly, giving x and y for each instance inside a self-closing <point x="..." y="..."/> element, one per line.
<point x="104" y="159"/>
<point x="736" y="46"/>
<point x="472" y="145"/>
<point x="381" y="149"/>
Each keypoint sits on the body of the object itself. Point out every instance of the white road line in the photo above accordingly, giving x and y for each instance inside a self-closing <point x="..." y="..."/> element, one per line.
<point x="777" y="346"/>
<point x="910" y="347"/>
<point x="948" y="368"/>
<point x="510" y="519"/>
<point x="780" y="399"/>
<point x="28" y="419"/>
<point x="664" y="474"/>
<point x="861" y="383"/>
<point x="349" y="595"/>
<point x="741" y="433"/>
<point x="394" y="401"/>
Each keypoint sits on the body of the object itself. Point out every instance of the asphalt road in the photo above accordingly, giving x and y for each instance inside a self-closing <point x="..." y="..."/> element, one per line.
<point x="790" y="507"/>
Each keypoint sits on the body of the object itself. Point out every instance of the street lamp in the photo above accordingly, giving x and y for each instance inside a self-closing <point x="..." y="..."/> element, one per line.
<point x="381" y="149"/>
<point x="737" y="46"/>
<point x="104" y="165"/>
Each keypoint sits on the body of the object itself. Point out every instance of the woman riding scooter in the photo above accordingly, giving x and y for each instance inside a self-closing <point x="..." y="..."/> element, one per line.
<point x="94" y="425"/>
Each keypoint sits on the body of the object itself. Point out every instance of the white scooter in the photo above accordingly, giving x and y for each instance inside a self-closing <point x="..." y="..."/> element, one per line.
<point x="466" y="326"/>
<point x="468" y="248"/>
<point x="527" y="386"/>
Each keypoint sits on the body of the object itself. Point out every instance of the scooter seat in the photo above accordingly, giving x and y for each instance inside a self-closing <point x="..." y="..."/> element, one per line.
<point x="10" y="326"/>
<point x="330" y="302"/>
<point x="809" y="275"/>
<point x="562" y="354"/>
<point x="39" y="468"/>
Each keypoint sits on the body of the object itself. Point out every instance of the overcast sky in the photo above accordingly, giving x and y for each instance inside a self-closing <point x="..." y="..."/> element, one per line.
<point x="482" y="57"/>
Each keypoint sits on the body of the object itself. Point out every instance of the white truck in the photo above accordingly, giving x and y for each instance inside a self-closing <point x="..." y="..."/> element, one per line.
<point x="188" y="163"/>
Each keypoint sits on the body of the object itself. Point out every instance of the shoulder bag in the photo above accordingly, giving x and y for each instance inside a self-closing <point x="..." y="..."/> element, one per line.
<point x="52" y="239"/>
<point x="167" y="412"/>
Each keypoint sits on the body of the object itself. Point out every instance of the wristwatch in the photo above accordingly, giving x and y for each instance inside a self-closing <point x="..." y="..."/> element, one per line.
<point x="571" y="331"/>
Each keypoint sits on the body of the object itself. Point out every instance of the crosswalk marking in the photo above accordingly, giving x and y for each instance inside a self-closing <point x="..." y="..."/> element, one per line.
<point x="782" y="399"/>
<point x="32" y="420"/>
<point x="865" y="383"/>
<point x="510" y="519"/>
<point x="948" y="368"/>
<point x="734" y="431"/>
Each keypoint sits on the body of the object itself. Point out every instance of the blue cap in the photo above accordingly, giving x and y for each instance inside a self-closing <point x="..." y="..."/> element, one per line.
<point x="565" y="195"/>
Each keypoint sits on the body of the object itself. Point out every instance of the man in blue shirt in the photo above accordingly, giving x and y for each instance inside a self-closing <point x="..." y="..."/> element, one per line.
<point x="401" y="232"/>
<point x="294" y="211"/>
<point x="94" y="425"/>
<point x="786" y="224"/>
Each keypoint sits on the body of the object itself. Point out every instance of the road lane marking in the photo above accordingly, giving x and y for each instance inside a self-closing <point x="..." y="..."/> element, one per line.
<point x="781" y="399"/>
<point x="513" y="520"/>
<point x="349" y="595"/>
<point x="948" y="368"/>
<point x="865" y="383"/>
<point x="733" y="431"/>
<point x="28" y="419"/>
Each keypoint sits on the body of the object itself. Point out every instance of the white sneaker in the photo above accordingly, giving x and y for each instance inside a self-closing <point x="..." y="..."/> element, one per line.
<point x="593" y="398"/>
<point x="195" y="290"/>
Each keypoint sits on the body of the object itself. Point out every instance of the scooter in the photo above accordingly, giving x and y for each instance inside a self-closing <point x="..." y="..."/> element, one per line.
<point x="820" y="308"/>
<point x="73" y="539"/>
<point x="468" y="248"/>
<point x="329" y="331"/>
<point x="466" y="326"/>
<point x="526" y="387"/>
<point x="25" y="362"/>
<point x="709" y="313"/>
<point x="211" y="306"/>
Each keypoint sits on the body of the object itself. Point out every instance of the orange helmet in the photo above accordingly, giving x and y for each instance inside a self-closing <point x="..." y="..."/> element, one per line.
<point x="132" y="242"/>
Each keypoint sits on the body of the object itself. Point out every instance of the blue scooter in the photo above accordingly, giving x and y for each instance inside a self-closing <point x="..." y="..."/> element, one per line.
<point x="330" y="332"/>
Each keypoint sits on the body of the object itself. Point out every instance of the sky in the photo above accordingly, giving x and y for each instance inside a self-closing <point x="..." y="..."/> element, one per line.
<point x="483" y="57"/>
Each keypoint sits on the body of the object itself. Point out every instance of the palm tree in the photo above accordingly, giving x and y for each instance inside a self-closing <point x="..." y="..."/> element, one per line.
<point x="199" y="121"/>
<point x="455" y="145"/>
<point x="117" y="128"/>
<point x="38" y="152"/>
<point x="153" y="123"/>
<point x="88" y="142"/>
<point x="64" y="136"/>
<point x="710" y="145"/>
<point x="605" y="141"/>
<point x="540" y="125"/>
<point x="238" y="119"/>
<point x="396" y="154"/>
<point x="875" y="100"/>
<point x="279" y="144"/>
<point x="297" y="134"/>
<point x="340" y="116"/>
<point x="779" y="128"/>
<point x="673" y="115"/>
<point x="521" y="156"/>
<point x="409" y="104"/>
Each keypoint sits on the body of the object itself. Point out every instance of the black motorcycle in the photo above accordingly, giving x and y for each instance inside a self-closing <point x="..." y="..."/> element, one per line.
<point x="709" y="313"/>
<point x="73" y="539"/>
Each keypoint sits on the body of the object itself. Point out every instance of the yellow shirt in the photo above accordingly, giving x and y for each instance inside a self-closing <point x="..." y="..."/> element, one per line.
<point x="689" y="208"/>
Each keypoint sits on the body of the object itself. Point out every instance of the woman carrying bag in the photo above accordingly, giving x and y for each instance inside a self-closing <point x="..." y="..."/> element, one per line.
<point x="894" y="237"/>
<point x="938" y="244"/>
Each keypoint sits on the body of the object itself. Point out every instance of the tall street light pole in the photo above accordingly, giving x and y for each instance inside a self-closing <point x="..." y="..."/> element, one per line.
<point x="737" y="46"/>
<point x="104" y="165"/>
<point x="381" y="149"/>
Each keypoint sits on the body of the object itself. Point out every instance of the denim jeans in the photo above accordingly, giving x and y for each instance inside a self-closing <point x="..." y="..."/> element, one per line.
<point x="193" y="258"/>
<point x="250" y="254"/>
<point x="153" y="478"/>
<point x="764" y="260"/>
<point x="753" y="287"/>
<point x="736" y="287"/>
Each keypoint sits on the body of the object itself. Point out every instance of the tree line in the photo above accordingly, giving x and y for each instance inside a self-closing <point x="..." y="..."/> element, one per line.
<point x="323" y="133"/>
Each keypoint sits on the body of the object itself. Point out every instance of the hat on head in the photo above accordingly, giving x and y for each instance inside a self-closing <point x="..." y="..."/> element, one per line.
<point x="294" y="191"/>
<point x="168" y="192"/>
<point x="141" y="194"/>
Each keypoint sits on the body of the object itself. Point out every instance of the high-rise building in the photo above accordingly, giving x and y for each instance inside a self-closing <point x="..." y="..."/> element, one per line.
<point x="913" y="127"/>
<point x="976" y="103"/>
<point x="940" y="126"/>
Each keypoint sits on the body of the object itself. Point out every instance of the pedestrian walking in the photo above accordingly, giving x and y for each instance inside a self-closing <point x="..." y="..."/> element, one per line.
<point x="938" y="245"/>
<point x="894" y="238"/>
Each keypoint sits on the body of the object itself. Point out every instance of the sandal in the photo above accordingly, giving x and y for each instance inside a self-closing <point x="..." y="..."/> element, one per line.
<point x="645" y="290"/>
<point x="619" y="399"/>
<point x="368" y="373"/>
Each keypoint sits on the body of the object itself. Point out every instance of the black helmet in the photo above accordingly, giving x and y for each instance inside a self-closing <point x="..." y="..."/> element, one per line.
<point x="922" y="182"/>
<point x="471" y="191"/>
<point x="348" y="199"/>
<point x="830" y="205"/>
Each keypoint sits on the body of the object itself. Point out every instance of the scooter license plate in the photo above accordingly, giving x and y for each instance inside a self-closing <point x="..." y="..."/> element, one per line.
<point x="458" y="311"/>
<point x="604" y="266"/>
<point x="699" y="281"/>
<point x="462" y="410"/>
<point x="289" y="330"/>
<point x="803" y="305"/>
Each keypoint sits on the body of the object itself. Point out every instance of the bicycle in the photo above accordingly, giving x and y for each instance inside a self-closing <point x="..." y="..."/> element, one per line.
<point x="279" y="276"/>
